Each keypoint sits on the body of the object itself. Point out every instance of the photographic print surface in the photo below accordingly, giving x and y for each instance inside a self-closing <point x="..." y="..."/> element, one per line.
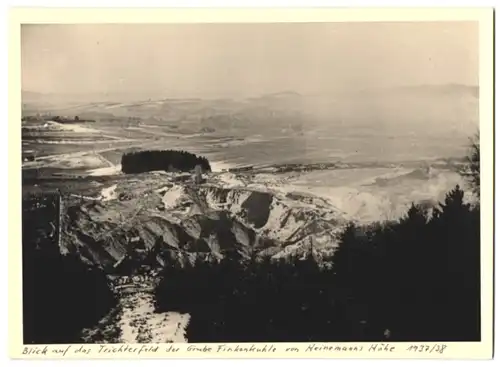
<point x="314" y="182"/>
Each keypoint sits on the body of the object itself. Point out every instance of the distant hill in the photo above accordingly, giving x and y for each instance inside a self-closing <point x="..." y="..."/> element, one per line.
<point x="399" y="109"/>
<point x="282" y="94"/>
<point x="32" y="95"/>
<point x="440" y="89"/>
<point x="140" y="98"/>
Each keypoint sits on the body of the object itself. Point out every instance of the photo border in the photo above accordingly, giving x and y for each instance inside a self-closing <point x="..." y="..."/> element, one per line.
<point x="454" y="350"/>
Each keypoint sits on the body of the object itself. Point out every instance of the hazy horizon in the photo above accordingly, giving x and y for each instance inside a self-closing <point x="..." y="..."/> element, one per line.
<point x="219" y="60"/>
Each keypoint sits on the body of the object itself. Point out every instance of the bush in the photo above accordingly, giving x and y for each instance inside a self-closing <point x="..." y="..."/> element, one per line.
<point x="158" y="160"/>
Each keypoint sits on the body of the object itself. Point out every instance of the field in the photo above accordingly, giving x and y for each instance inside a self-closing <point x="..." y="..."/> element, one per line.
<point x="374" y="136"/>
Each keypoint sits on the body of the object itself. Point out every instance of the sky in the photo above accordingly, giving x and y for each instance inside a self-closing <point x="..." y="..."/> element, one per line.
<point x="245" y="59"/>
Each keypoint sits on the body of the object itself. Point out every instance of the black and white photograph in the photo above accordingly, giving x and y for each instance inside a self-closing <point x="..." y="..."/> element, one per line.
<point x="269" y="183"/>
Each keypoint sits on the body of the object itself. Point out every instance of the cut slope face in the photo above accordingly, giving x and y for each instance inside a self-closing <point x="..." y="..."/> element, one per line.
<point x="257" y="208"/>
<point x="205" y="219"/>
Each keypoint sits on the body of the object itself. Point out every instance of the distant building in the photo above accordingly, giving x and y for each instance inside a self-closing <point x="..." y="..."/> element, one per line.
<point x="28" y="156"/>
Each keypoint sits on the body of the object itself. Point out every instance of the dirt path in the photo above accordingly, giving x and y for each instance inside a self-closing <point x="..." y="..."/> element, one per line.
<point x="50" y="159"/>
<point x="133" y="321"/>
<point x="105" y="160"/>
<point x="140" y="324"/>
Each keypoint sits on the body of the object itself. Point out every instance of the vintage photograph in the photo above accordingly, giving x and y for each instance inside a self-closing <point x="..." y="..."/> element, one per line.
<point x="251" y="182"/>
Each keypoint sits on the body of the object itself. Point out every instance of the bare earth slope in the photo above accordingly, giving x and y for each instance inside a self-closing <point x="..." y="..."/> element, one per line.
<point x="165" y="214"/>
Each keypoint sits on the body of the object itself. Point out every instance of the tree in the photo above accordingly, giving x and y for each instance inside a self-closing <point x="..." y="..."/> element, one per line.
<point x="471" y="171"/>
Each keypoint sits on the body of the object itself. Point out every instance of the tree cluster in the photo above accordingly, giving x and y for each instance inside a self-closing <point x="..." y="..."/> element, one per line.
<point x="418" y="278"/>
<point x="471" y="171"/>
<point x="162" y="160"/>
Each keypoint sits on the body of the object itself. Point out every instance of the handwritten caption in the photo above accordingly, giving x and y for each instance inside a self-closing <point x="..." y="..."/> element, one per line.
<point x="126" y="350"/>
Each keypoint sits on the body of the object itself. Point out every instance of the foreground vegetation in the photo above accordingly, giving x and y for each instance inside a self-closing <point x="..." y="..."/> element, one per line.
<point x="61" y="295"/>
<point x="162" y="160"/>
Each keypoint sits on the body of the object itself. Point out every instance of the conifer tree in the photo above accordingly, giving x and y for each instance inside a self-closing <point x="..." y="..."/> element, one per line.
<point x="472" y="169"/>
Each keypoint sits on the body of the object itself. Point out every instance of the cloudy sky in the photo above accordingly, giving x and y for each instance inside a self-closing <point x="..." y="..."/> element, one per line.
<point x="238" y="59"/>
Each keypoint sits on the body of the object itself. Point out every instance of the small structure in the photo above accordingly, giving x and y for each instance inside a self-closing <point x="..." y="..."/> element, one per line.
<point x="198" y="175"/>
<point x="29" y="156"/>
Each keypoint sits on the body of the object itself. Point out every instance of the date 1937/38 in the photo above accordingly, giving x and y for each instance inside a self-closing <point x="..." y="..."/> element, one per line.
<point x="427" y="348"/>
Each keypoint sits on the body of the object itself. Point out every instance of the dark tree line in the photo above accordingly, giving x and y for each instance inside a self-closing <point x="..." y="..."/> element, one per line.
<point x="59" y="119"/>
<point x="416" y="279"/>
<point x="61" y="295"/>
<point x="159" y="160"/>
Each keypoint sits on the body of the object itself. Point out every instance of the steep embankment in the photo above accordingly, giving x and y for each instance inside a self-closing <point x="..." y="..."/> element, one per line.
<point x="189" y="220"/>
